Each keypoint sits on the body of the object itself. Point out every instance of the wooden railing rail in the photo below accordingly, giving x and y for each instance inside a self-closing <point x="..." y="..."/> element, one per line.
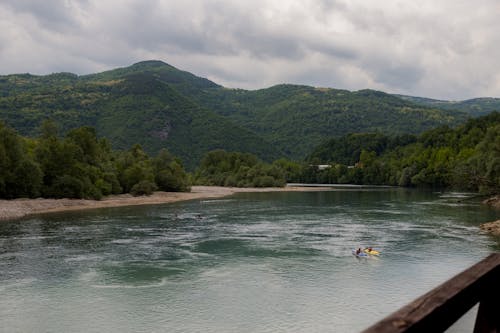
<point x="438" y="309"/>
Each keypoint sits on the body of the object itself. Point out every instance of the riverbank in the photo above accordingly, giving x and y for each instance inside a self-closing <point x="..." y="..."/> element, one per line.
<point x="19" y="208"/>
<point x="491" y="227"/>
<point x="493" y="202"/>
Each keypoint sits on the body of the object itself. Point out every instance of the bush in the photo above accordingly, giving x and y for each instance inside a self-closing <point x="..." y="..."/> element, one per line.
<point x="28" y="179"/>
<point x="264" y="181"/>
<point x="65" y="186"/>
<point x="144" y="187"/>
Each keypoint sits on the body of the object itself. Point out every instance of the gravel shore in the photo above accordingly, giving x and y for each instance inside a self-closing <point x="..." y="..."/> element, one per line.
<point x="493" y="202"/>
<point x="491" y="227"/>
<point x="18" y="208"/>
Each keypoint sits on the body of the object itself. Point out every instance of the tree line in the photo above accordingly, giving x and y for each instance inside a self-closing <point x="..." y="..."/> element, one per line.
<point x="466" y="157"/>
<point x="237" y="169"/>
<point x="80" y="165"/>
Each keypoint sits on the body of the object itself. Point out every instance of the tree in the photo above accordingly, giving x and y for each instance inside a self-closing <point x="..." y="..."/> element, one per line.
<point x="144" y="187"/>
<point x="28" y="179"/>
<point x="169" y="173"/>
<point x="129" y="168"/>
<point x="49" y="129"/>
<point x="20" y="175"/>
<point x="85" y="139"/>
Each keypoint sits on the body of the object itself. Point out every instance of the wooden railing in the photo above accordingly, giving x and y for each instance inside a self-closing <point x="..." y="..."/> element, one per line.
<point x="441" y="307"/>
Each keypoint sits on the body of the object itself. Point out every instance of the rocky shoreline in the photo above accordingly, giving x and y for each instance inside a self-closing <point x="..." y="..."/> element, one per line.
<point x="492" y="227"/>
<point x="19" y="208"/>
<point x="493" y="202"/>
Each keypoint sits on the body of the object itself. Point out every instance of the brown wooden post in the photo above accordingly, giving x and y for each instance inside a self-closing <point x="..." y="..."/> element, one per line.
<point x="488" y="315"/>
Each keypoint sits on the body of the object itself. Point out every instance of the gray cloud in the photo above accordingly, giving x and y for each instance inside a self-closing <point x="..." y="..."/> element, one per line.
<point x="446" y="50"/>
<point x="55" y="15"/>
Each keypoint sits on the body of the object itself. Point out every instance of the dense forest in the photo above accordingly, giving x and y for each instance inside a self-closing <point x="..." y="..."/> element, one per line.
<point x="474" y="107"/>
<point x="80" y="165"/>
<point x="466" y="157"/>
<point x="295" y="118"/>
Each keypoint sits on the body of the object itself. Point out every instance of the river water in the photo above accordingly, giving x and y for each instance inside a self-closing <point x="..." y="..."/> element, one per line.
<point x="254" y="262"/>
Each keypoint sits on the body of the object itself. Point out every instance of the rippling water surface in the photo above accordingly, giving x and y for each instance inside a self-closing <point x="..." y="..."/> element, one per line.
<point x="261" y="262"/>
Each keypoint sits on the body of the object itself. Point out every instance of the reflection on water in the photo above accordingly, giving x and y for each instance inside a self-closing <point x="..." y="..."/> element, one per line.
<point x="261" y="262"/>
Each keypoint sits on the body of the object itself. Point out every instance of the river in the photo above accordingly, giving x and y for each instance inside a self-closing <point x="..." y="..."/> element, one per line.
<point x="253" y="262"/>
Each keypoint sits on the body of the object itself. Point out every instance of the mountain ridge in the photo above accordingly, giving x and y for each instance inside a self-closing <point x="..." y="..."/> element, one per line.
<point x="160" y="106"/>
<point x="478" y="106"/>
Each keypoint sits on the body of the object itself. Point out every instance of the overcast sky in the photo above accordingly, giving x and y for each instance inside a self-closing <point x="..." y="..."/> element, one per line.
<point x="446" y="49"/>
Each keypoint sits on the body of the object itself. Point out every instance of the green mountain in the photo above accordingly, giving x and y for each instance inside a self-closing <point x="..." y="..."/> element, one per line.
<point x="184" y="81"/>
<point x="298" y="118"/>
<point x="475" y="107"/>
<point x="159" y="106"/>
<point x="128" y="106"/>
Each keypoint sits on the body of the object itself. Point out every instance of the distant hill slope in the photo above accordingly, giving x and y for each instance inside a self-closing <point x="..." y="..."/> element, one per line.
<point x="297" y="118"/>
<point x="134" y="108"/>
<point x="157" y="105"/>
<point x="475" y="107"/>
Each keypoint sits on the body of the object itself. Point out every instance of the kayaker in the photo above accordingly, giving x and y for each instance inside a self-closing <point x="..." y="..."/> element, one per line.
<point x="358" y="251"/>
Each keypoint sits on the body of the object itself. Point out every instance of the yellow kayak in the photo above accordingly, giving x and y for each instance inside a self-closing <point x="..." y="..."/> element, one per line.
<point x="372" y="252"/>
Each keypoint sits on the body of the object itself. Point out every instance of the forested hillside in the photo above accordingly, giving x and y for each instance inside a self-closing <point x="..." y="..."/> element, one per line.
<point x="465" y="157"/>
<point x="134" y="108"/>
<point x="475" y="107"/>
<point x="298" y="118"/>
<point x="158" y="106"/>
